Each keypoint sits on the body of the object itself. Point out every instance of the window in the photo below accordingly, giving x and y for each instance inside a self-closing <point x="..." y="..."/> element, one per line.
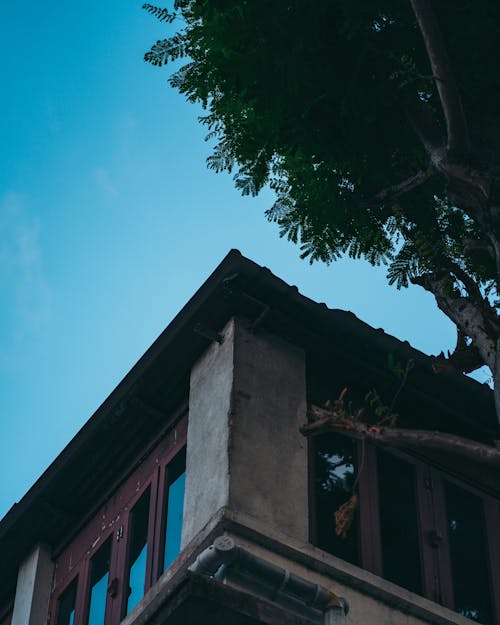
<point x="399" y="534"/>
<point x="137" y="551"/>
<point x="415" y="525"/>
<point x="468" y="553"/>
<point x="6" y="617"/>
<point x="173" y="508"/>
<point x="99" y="574"/>
<point x="66" y="605"/>
<point x="109" y="566"/>
<point x="335" y="467"/>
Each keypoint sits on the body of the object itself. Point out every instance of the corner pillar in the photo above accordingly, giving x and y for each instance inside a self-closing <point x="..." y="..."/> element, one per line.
<point x="245" y="452"/>
<point x="34" y="582"/>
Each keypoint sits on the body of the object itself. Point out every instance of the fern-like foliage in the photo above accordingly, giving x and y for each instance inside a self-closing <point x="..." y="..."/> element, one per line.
<point x="163" y="15"/>
<point x="404" y="266"/>
<point x="245" y="184"/>
<point x="165" y="50"/>
<point x="221" y="159"/>
<point x="334" y="148"/>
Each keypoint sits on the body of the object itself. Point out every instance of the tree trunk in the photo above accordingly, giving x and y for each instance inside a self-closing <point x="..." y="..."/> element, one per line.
<point x="475" y="318"/>
<point x="496" y="381"/>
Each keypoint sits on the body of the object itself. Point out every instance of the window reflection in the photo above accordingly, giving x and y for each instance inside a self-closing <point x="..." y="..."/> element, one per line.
<point x="137" y="550"/>
<point x="66" y="606"/>
<point x="468" y="554"/>
<point x="174" y="508"/>
<point x="335" y="467"/>
<point x="99" y="574"/>
<point x="398" y="522"/>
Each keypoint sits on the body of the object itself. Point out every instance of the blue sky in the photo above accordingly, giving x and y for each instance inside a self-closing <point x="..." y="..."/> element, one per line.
<point x="109" y="221"/>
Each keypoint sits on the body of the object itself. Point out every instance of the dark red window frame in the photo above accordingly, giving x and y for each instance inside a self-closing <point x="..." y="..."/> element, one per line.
<point x="6" y="616"/>
<point x="162" y="512"/>
<point x="432" y="523"/>
<point x="111" y="522"/>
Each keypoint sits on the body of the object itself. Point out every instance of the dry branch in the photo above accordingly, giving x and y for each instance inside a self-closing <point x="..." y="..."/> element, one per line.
<point x="326" y="421"/>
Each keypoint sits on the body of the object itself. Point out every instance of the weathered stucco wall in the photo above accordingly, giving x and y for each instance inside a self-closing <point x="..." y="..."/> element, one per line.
<point x="34" y="583"/>
<point x="247" y="475"/>
<point x="244" y="450"/>
<point x="268" y="455"/>
<point x="372" y="600"/>
<point x="207" y="458"/>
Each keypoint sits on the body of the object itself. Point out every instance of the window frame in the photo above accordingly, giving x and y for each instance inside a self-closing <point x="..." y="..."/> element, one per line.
<point x="161" y="516"/>
<point x="112" y="520"/>
<point x="121" y="563"/>
<point x="490" y="508"/>
<point x="75" y="578"/>
<point x="431" y="509"/>
<point x="6" y="612"/>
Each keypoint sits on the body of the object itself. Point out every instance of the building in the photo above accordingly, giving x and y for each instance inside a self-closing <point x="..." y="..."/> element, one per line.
<point x="191" y="495"/>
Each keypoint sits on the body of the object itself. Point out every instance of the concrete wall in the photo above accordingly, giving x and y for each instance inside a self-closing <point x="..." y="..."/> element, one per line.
<point x="247" y="473"/>
<point x="268" y="454"/>
<point x="244" y="450"/>
<point x="34" y="582"/>
<point x="372" y="600"/>
<point x="207" y="458"/>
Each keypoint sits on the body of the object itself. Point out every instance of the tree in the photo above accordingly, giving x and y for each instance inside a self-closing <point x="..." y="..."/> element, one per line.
<point x="376" y="124"/>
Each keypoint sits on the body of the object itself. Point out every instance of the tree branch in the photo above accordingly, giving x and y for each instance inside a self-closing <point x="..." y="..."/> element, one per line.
<point x="495" y="244"/>
<point x="471" y="285"/>
<point x="398" y="437"/>
<point x="464" y="359"/>
<point x="472" y="246"/>
<point x="395" y="191"/>
<point x="465" y="314"/>
<point x="458" y="135"/>
<point x="425" y="127"/>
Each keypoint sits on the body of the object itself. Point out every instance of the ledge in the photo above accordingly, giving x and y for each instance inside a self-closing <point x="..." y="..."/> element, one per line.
<point x="349" y="575"/>
<point x="179" y="595"/>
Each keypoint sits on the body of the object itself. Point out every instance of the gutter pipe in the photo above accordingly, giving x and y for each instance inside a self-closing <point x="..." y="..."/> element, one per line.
<point x="224" y="560"/>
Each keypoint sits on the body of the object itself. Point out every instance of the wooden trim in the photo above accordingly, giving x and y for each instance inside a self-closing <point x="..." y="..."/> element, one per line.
<point x="369" y="516"/>
<point x="426" y="525"/>
<point x="434" y="547"/>
<point x="311" y="486"/>
<point x="153" y="532"/>
<point x="180" y="440"/>
<point x="81" y="593"/>
<point x="492" y="522"/>
<point x="153" y="502"/>
<point x="122" y="562"/>
<point x="159" y="520"/>
<point x="444" y="573"/>
<point x="112" y="522"/>
<point x="6" y="612"/>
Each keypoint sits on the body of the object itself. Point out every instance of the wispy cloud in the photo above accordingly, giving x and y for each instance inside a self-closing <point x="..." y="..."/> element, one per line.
<point x="24" y="290"/>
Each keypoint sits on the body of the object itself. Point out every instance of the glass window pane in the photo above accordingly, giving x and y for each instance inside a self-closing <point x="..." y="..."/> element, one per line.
<point x="137" y="550"/>
<point x="399" y="522"/>
<point x="99" y="574"/>
<point x="174" y="498"/>
<point x="469" y="554"/>
<point x="335" y="469"/>
<point x="66" y="605"/>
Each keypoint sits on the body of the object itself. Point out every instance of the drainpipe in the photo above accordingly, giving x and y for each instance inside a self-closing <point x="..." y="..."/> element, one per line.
<point x="224" y="560"/>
